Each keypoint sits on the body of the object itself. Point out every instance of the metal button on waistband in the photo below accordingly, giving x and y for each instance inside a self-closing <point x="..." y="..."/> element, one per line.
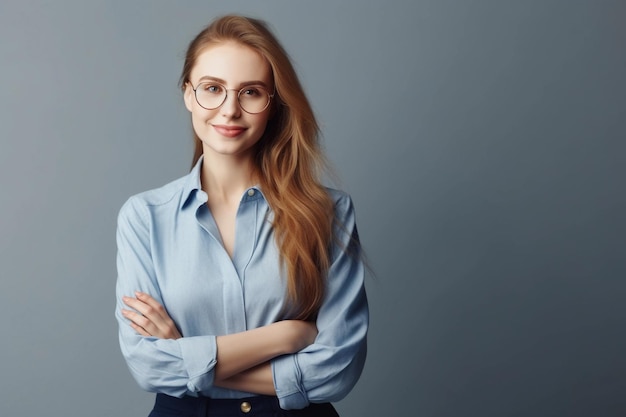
<point x="246" y="407"/>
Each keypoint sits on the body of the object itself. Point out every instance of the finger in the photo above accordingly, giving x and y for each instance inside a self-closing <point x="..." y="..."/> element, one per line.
<point x="139" y="312"/>
<point x="161" y="319"/>
<point x="152" y="316"/>
<point x="139" y="329"/>
<point x="140" y="321"/>
<point x="148" y="306"/>
<point x="145" y="309"/>
<point x="134" y="303"/>
<point x="150" y="301"/>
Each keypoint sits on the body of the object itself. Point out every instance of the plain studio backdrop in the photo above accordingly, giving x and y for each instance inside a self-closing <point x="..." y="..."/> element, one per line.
<point x="482" y="142"/>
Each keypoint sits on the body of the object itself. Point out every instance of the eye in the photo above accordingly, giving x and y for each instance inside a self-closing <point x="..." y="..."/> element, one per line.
<point x="211" y="88"/>
<point x="252" y="92"/>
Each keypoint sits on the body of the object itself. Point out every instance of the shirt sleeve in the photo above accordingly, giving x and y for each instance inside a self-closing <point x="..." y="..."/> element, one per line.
<point x="172" y="367"/>
<point x="328" y="369"/>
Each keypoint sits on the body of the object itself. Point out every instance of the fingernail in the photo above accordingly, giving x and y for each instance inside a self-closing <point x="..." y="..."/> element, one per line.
<point x="138" y="294"/>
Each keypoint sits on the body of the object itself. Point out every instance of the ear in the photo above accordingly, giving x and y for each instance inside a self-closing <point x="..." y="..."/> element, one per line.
<point x="189" y="96"/>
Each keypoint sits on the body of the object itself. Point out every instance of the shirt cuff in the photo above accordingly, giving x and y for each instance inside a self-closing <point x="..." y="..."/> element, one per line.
<point x="199" y="356"/>
<point x="288" y="383"/>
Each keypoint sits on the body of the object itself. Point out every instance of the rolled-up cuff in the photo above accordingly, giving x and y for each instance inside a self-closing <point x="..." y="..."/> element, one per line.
<point x="199" y="356"/>
<point x="288" y="383"/>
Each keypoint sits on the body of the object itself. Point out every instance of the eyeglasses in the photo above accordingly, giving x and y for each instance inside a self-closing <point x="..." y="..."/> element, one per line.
<point x="252" y="98"/>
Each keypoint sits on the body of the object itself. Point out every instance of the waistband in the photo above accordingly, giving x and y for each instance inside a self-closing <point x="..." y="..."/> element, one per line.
<point x="256" y="406"/>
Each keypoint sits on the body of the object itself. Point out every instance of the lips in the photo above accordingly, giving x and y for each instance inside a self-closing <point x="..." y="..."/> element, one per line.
<point x="229" y="131"/>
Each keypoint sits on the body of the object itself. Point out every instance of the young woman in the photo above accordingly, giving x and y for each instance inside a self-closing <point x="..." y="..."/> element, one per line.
<point x="240" y="286"/>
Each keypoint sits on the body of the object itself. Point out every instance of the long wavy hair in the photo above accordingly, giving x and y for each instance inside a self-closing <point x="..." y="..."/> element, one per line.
<point x="288" y="162"/>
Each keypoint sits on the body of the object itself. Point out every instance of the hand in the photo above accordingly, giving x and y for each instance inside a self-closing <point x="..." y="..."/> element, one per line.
<point x="150" y="317"/>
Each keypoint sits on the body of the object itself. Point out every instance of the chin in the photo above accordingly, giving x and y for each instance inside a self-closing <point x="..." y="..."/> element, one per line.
<point x="227" y="149"/>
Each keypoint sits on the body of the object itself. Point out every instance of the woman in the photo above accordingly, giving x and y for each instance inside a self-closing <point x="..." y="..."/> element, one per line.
<point x="240" y="285"/>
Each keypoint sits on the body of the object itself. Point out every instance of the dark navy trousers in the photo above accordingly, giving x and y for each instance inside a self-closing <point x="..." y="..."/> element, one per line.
<point x="259" y="406"/>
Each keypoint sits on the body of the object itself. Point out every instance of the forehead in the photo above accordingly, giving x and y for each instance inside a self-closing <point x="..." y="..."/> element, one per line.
<point x="233" y="63"/>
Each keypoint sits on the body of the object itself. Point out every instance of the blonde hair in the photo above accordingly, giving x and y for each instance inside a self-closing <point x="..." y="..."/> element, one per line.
<point x="288" y="163"/>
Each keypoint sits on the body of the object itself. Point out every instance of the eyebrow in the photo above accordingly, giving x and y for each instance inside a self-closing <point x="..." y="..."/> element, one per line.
<point x="243" y="84"/>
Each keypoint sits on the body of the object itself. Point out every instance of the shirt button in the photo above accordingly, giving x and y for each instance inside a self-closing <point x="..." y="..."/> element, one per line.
<point x="246" y="407"/>
<point x="251" y="192"/>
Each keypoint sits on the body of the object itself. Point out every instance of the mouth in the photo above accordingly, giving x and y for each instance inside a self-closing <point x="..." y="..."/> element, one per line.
<point x="229" y="131"/>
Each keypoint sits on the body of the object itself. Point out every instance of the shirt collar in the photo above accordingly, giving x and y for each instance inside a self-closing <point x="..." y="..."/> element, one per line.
<point x="192" y="183"/>
<point x="192" y="188"/>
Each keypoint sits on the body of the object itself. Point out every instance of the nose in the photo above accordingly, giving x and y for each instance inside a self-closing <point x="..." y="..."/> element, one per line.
<point x="230" y="107"/>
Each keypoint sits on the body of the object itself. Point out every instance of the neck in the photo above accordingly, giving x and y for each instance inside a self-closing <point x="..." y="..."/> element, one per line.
<point x="226" y="177"/>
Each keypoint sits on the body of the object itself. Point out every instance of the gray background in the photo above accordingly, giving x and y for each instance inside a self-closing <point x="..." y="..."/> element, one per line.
<point x="482" y="141"/>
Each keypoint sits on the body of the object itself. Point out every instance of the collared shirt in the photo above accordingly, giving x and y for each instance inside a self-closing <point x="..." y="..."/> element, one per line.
<point x="169" y="247"/>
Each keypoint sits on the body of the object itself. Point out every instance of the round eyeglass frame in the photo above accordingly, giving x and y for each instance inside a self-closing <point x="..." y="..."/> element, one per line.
<point x="195" y="94"/>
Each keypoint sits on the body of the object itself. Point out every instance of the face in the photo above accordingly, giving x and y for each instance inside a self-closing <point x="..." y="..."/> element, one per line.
<point x="228" y="129"/>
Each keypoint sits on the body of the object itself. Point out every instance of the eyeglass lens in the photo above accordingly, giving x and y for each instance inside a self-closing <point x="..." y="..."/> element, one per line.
<point x="252" y="99"/>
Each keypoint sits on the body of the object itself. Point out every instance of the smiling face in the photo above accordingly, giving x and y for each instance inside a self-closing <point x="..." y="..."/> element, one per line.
<point x="228" y="130"/>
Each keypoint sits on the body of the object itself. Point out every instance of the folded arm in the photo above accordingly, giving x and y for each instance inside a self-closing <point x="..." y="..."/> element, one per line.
<point x="157" y="356"/>
<point x="236" y="352"/>
<point x="329" y="368"/>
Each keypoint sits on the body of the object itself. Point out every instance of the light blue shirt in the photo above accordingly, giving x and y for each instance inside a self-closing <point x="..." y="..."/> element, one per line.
<point x="169" y="247"/>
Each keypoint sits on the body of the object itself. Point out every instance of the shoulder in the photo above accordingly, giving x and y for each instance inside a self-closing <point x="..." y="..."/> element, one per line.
<point x="344" y="207"/>
<point x="141" y="204"/>
<point x="340" y="198"/>
<point x="345" y="228"/>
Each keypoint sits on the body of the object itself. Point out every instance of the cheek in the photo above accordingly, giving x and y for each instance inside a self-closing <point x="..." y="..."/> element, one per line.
<point x="199" y="118"/>
<point x="259" y="129"/>
<point x="261" y="121"/>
